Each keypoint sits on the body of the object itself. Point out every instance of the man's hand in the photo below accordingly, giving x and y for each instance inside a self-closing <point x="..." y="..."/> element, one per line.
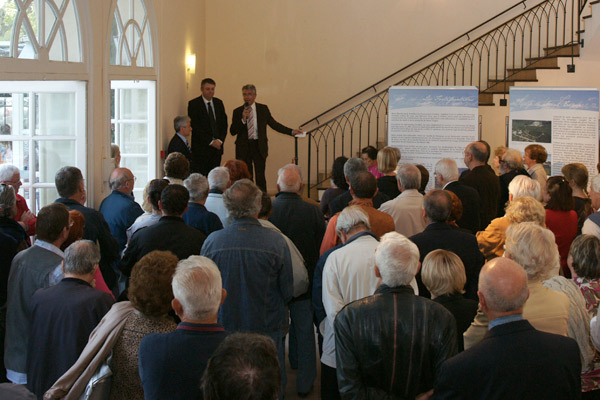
<point x="297" y="132"/>
<point x="246" y="113"/>
<point x="26" y="216"/>
<point x="216" y="144"/>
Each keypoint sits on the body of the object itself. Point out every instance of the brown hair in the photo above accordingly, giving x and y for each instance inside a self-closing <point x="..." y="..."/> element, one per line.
<point x="578" y="173"/>
<point x="150" y="289"/>
<point x="537" y="153"/>
<point x="238" y="169"/>
<point x="177" y="166"/>
<point x="561" y="194"/>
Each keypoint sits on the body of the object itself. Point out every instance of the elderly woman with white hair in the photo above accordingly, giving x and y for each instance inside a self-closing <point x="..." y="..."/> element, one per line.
<point x="8" y="225"/>
<point x="511" y="166"/>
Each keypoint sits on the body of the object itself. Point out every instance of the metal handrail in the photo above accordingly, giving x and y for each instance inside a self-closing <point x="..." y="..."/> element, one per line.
<point x="491" y="62"/>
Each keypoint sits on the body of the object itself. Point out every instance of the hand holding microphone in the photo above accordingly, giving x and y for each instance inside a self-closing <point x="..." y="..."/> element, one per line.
<point x="246" y="112"/>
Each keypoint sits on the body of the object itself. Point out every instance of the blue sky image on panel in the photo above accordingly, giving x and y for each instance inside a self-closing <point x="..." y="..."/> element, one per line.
<point x="532" y="99"/>
<point x="412" y="98"/>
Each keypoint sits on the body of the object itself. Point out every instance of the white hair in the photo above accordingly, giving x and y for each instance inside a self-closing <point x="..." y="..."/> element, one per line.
<point x="218" y="178"/>
<point x="7" y="171"/>
<point x="289" y="182"/>
<point x="534" y="248"/>
<point x="397" y="259"/>
<point x="197" y="285"/>
<point x="513" y="159"/>
<point x="448" y="169"/>
<point x="197" y="185"/>
<point x="409" y="176"/>
<point x="351" y="217"/>
<point x="524" y="186"/>
<point x="596" y="183"/>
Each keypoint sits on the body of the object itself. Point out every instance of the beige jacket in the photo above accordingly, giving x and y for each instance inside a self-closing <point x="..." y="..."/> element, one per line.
<point x="491" y="241"/>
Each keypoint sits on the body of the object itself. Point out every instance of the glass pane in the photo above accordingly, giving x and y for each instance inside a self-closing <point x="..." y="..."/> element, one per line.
<point x="45" y="196"/>
<point x="51" y="156"/>
<point x="147" y="47"/>
<point x="25" y="112"/>
<point x="125" y="10"/>
<point x="56" y="52"/>
<point x="55" y="114"/>
<point x="114" y="40"/>
<point x="33" y="12"/>
<point x="134" y="104"/>
<point x="112" y="103"/>
<point x="8" y="12"/>
<point x="49" y="21"/>
<point x="72" y="33"/>
<point x="18" y="155"/>
<point x="139" y="11"/>
<point x="26" y="49"/>
<point x="5" y="113"/>
<point x="134" y="138"/>
<point x="139" y="167"/>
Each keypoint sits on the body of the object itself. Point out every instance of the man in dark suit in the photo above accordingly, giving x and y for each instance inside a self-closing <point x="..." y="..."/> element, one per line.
<point x="483" y="179"/>
<point x="209" y="128"/>
<point x="180" y="141"/>
<point x="514" y="360"/>
<point x="439" y="235"/>
<point x="446" y="177"/>
<point x="249" y="124"/>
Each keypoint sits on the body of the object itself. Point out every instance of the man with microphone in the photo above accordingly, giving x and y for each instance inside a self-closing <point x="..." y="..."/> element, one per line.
<point x="250" y="125"/>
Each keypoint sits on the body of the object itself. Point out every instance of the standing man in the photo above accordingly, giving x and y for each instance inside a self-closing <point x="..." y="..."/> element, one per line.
<point x="181" y="140"/>
<point x="250" y="125"/>
<point x="209" y="128"/>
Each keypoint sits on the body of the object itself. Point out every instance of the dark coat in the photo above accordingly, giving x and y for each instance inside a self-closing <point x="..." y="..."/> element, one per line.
<point x="120" y="211"/>
<point x="203" y="155"/>
<point x="197" y="216"/>
<point x="178" y="145"/>
<point x="462" y="309"/>
<point x="471" y="218"/>
<point x="484" y="180"/>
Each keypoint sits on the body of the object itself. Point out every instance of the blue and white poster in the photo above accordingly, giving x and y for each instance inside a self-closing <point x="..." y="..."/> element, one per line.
<point x="563" y="120"/>
<point x="428" y="123"/>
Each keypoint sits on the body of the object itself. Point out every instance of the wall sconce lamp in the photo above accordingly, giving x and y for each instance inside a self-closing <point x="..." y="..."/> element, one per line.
<point x="190" y="63"/>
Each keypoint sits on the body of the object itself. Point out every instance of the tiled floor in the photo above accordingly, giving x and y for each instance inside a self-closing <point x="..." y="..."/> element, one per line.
<point x="290" y="392"/>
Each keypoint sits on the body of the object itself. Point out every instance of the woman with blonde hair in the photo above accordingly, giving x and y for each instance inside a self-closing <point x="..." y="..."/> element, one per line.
<point x="387" y="162"/>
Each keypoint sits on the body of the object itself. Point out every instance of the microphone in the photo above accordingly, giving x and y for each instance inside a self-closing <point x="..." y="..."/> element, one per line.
<point x="246" y="105"/>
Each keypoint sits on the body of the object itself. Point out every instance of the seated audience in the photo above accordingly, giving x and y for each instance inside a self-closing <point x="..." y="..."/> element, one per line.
<point x="63" y="316"/>
<point x="171" y="363"/>
<point x="196" y="215"/>
<point x="577" y="175"/>
<point x="338" y="185"/>
<point x="444" y="276"/>
<point x="8" y="225"/>
<point x="534" y="159"/>
<point x="387" y="162"/>
<point x="176" y="168"/>
<point x="584" y="263"/>
<point x="152" y="191"/>
<point x="36" y="267"/>
<point x="169" y="233"/>
<point x="369" y="156"/>
<point x="244" y="366"/>
<point x="591" y="226"/>
<point x="238" y="169"/>
<point x="532" y="247"/>
<point x="413" y="335"/>
<point x="218" y="182"/>
<point x="560" y="217"/>
<point x="511" y="165"/>
<point x="515" y="361"/>
<point x="10" y="175"/>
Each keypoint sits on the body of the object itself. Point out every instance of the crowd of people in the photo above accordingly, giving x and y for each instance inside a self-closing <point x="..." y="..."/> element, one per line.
<point x="486" y="286"/>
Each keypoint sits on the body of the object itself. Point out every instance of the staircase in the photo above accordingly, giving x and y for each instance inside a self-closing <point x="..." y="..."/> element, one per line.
<point x="512" y="52"/>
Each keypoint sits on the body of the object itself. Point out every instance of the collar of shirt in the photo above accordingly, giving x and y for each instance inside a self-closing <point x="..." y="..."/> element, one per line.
<point x="505" y="320"/>
<point x="359" y="235"/>
<point x="49" y="247"/>
<point x="182" y="138"/>
<point x="446" y="185"/>
<point x="188" y="326"/>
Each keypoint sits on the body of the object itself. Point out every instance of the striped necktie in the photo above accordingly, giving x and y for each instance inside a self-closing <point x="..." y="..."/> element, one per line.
<point x="250" y="125"/>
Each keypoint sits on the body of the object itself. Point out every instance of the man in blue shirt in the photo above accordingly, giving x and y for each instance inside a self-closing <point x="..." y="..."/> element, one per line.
<point x="197" y="216"/>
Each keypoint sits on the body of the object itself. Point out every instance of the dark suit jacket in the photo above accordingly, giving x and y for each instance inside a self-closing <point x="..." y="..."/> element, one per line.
<point x="263" y="118"/>
<point x="463" y="310"/>
<point x="169" y="233"/>
<point x="439" y="235"/>
<point x="513" y="361"/>
<point x="484" y="180"/>
<point x="202" y="134"/>
<point x="339" y="203"/>
<point x="471" y="201"/>
<point x="178" y="145"/>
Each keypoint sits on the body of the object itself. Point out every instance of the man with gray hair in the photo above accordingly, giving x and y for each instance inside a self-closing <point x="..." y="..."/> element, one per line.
<point x="119" y="208"/>
<point x="172" y="363"/>
<point x="413" y="335"/>
<point x="352" y="167"/>
<point x="197" y="216"/>
<point x="180" y="142"/>
<point x="63" y="316"/>
<point x="514" y="361"/>
<point x="256" y="268"/>
<point x="218" y="182"/>
<point x="348" y="275"/>
<point x="406" y="209"/>
<point x="304" y="224"/>
<point x="446" y="177"/>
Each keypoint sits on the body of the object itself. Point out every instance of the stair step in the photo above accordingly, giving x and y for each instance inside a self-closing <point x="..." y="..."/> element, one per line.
<point x="540" y="62"/>
<point x="587" y="16"/>
<point x="521" y="74"/>
<point x="492" y="82"/>
<point x="486" y="99"/>
<point x="562" y="51"/>
<point x="501" y="87"/>
<point x="594" y="2"/>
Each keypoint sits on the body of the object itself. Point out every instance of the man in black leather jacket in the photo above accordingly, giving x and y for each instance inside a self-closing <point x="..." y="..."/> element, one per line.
<point x="392" y="344"/>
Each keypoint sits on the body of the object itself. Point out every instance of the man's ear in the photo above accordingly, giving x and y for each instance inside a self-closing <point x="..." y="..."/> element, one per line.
<point x="377" y="272"/>
<point x="159" y="205"/>
<point x="177" y="307"/>
<point x="223" y="296"/>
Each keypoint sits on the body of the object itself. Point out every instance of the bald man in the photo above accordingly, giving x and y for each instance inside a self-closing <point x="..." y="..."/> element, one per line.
<point x="514" y="360"/>
<point x="481" y="177"/>
<point x="119" y="208"/>
<point x="304" y="224"/>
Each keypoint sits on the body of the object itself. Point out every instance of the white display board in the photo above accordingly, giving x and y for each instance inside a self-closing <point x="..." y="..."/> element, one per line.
<point x="428" y="123"/>
<point x="563" y="120"/>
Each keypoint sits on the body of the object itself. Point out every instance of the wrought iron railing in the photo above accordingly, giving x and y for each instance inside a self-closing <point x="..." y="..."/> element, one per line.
<point x="487" y="61"/>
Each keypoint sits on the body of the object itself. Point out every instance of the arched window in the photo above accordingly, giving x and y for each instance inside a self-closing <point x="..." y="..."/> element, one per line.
<point x="131" y="38"/>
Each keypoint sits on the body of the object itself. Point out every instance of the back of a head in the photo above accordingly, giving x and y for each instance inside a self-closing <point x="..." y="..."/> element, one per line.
<point x="289" y="178"/>
<point x="8" y="200"/>
<point x="526" y="209"/>
<point x="578" y="173"/>
<point x="7" y="171"/>
<point x="350" y="218"/>
<point x="479" y="151"/>
<point x="266" y="206"/>
<point x="174" y="200"/>
<point x="488" y="149"/>
<point x="81" y="257"/>
<point x="243" y="199"/>
<point x="512" y="159"/>
<point x="155" y="189"/>
<point x="150" y="290"/>
<point x="522" y="185"/>
<point x="197" y="285"/>
<point x="537" y="153"/>
<point x="447" y="168"/>
<point x="353" y="166"/>
<point x="364" y="185"/>
<point x="534" y="248"/>
<point x="456" y="212"/>
<point x="424" y="177"/>
<point x="76" y="230"/>
<point x="409" y="176"/>
<point x="337" y="172"/>
<point x="397" y="259"/>
<point x="596" y="184"/>
<point x="387" y="159"/>
<point x="177" y="166"/>
<point x="119" y="178"/>
<point x="51" y="220"/>
<point x="218" y="178"/>
<point x="197" y="186"/>
<point x="238" y="169"/>
<point x="443" y="273"/>
<point x="503" y="284"/>
<point x="585" y="256"/>
<point x="244" y="367"/>
<point x="67" y="180"/>
<point x="560" y="193"/>
<point x="437" y="205"/>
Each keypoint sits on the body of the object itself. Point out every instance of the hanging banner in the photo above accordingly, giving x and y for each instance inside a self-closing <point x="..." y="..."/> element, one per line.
<point x="563" y="120"/>
<point x="428" y="123"/>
